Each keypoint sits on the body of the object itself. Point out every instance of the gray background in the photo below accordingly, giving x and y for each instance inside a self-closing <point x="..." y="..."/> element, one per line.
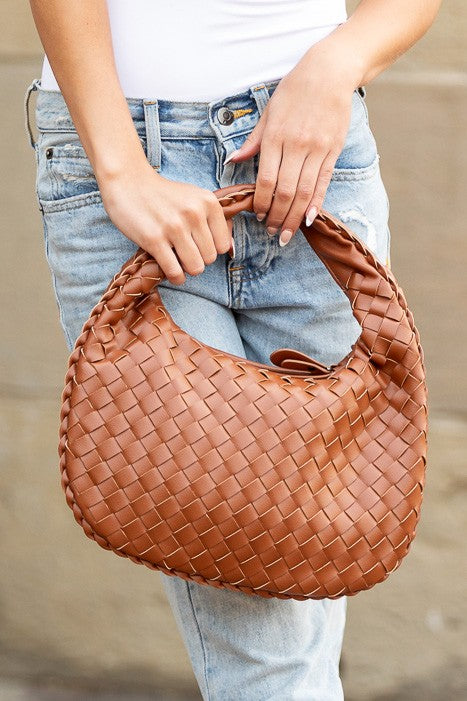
<point x="74" y="618"/>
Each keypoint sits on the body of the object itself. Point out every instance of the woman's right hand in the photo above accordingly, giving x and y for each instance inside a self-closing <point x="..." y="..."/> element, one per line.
<point x="161" y="215"/>
<point x="157" y="214"/>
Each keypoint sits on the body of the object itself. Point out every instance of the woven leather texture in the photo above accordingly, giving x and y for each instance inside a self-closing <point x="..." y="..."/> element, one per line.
<point x="290" y="480"/>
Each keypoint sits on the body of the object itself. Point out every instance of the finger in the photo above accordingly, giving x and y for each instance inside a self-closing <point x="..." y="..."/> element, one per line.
<point x="293" y="157"/>
<point x="266" y="178"/>
<point x="322" y="184"/>
<point x="231" y="249"/>
<point x="303" y="196"/>
<point x="221" y="229"/>
<point x="168" y="261"/>
<point x="188" y="254"/>
<point x="203" y="238"/>
<point x="252" y="143"/>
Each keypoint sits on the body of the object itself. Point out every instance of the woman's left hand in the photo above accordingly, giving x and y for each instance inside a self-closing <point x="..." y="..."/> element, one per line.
<point x="300" y="135"/>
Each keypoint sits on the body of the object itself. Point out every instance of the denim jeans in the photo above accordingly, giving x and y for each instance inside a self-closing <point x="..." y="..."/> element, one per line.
<point x="242" y="648"/>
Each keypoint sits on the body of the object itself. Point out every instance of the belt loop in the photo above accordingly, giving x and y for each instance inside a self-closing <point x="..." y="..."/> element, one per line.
<point x="261" y="96"/>
<point x="27" y="118"/>
<point x="153" y="133"/>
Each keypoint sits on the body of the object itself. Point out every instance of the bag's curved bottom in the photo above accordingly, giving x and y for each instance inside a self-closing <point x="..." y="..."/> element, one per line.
<point x="219" y="584"/>
<point x="167" y="445"/>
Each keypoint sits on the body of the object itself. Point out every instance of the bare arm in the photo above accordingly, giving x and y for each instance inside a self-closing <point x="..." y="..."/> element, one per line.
<point x="76" y="37"/>
<point x="158" y="214"/>
<point x="378" y="33"/>
<point x="303" y="128"/>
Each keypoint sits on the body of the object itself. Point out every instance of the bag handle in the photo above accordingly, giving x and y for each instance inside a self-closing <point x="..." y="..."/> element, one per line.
<point x="377" y="302"/>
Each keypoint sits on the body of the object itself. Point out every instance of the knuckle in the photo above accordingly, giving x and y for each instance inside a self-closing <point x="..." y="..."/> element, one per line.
<point x="192" y="210"/>
<point x="196" y="269"/>
<point x="174" y="224"/>
<point x="284" y="192"/>
<point x="211" y="200"/>
<point x="210" y="258"/>
<point x="151" y="241"/>
<point x="305" y="191"/>
<point x="299" y="140"/>
<point x="260" y="208"/>
<point x="176" y="280"/>
<point x="209" y="195"/>
<point x="197" y="212"/>
<point x="265" y="180"/>
<point x="174" y="272"/>
<point x="184" y="209"/>
<point x="176" y="231"/>
<point x="223" y="246"/>
<point x="321" y="143"/>
<point x="274" y="136"/>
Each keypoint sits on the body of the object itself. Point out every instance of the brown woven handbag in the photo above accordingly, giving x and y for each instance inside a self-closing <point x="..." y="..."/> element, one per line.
<point x="292" y="480"/>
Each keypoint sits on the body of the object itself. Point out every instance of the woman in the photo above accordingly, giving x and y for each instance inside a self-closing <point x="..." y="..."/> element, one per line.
<point x="143" y="109"/>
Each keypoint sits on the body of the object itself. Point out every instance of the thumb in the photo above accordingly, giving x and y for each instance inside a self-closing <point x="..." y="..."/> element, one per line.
<point x="231" y="250"/>
<point x="250" y="146"/>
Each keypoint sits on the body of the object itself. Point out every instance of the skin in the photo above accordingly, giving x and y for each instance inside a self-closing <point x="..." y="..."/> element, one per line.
<point x="297" y="158"/>
<point x="299" y="135"/>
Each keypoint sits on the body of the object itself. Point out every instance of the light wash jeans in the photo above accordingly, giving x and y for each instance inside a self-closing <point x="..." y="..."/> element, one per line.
<point x="242" y="648"/>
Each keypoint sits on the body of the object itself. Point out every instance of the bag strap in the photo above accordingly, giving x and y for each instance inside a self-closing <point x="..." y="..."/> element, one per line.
<point x="377" y="302"/>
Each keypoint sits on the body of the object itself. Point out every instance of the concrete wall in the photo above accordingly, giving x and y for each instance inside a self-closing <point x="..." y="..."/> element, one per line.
<point x="71" y="613"/>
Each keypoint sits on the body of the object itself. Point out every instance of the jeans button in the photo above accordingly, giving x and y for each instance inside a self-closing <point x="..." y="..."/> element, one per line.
<point x="225" y="116"/>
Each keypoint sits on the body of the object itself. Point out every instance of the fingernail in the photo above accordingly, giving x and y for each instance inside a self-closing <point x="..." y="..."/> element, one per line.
<point x="285" y="237"/>
<point x="260" y="216"/>
<point x="310" y="215"/>
<point x="232" y="155"/>
<point x="271" y="230"/>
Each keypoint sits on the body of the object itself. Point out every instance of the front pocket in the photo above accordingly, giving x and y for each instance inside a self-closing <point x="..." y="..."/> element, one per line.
<point x="65" y="178"/>
<point x="364" y="173"/>
<point x="69" y="171"/>
<point x="64" y="171"/>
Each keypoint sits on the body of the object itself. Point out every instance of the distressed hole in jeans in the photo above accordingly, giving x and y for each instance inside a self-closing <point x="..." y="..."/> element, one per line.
<point x="357" y="216"/>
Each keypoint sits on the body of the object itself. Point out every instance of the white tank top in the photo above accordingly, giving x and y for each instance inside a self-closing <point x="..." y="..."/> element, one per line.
<point x="202" y="51"/>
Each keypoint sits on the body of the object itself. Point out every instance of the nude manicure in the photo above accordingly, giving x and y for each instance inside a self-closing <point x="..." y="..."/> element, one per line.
<point x="229" y="158"/>
<point x="310" y="216"/>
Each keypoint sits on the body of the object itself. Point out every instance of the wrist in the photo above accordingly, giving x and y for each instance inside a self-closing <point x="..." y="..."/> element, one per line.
<point x="110" y="165"/>
<point x="335" y="57"/>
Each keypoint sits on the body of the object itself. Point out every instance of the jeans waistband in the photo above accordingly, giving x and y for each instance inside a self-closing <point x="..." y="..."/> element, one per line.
<point x="171" y="118"/>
